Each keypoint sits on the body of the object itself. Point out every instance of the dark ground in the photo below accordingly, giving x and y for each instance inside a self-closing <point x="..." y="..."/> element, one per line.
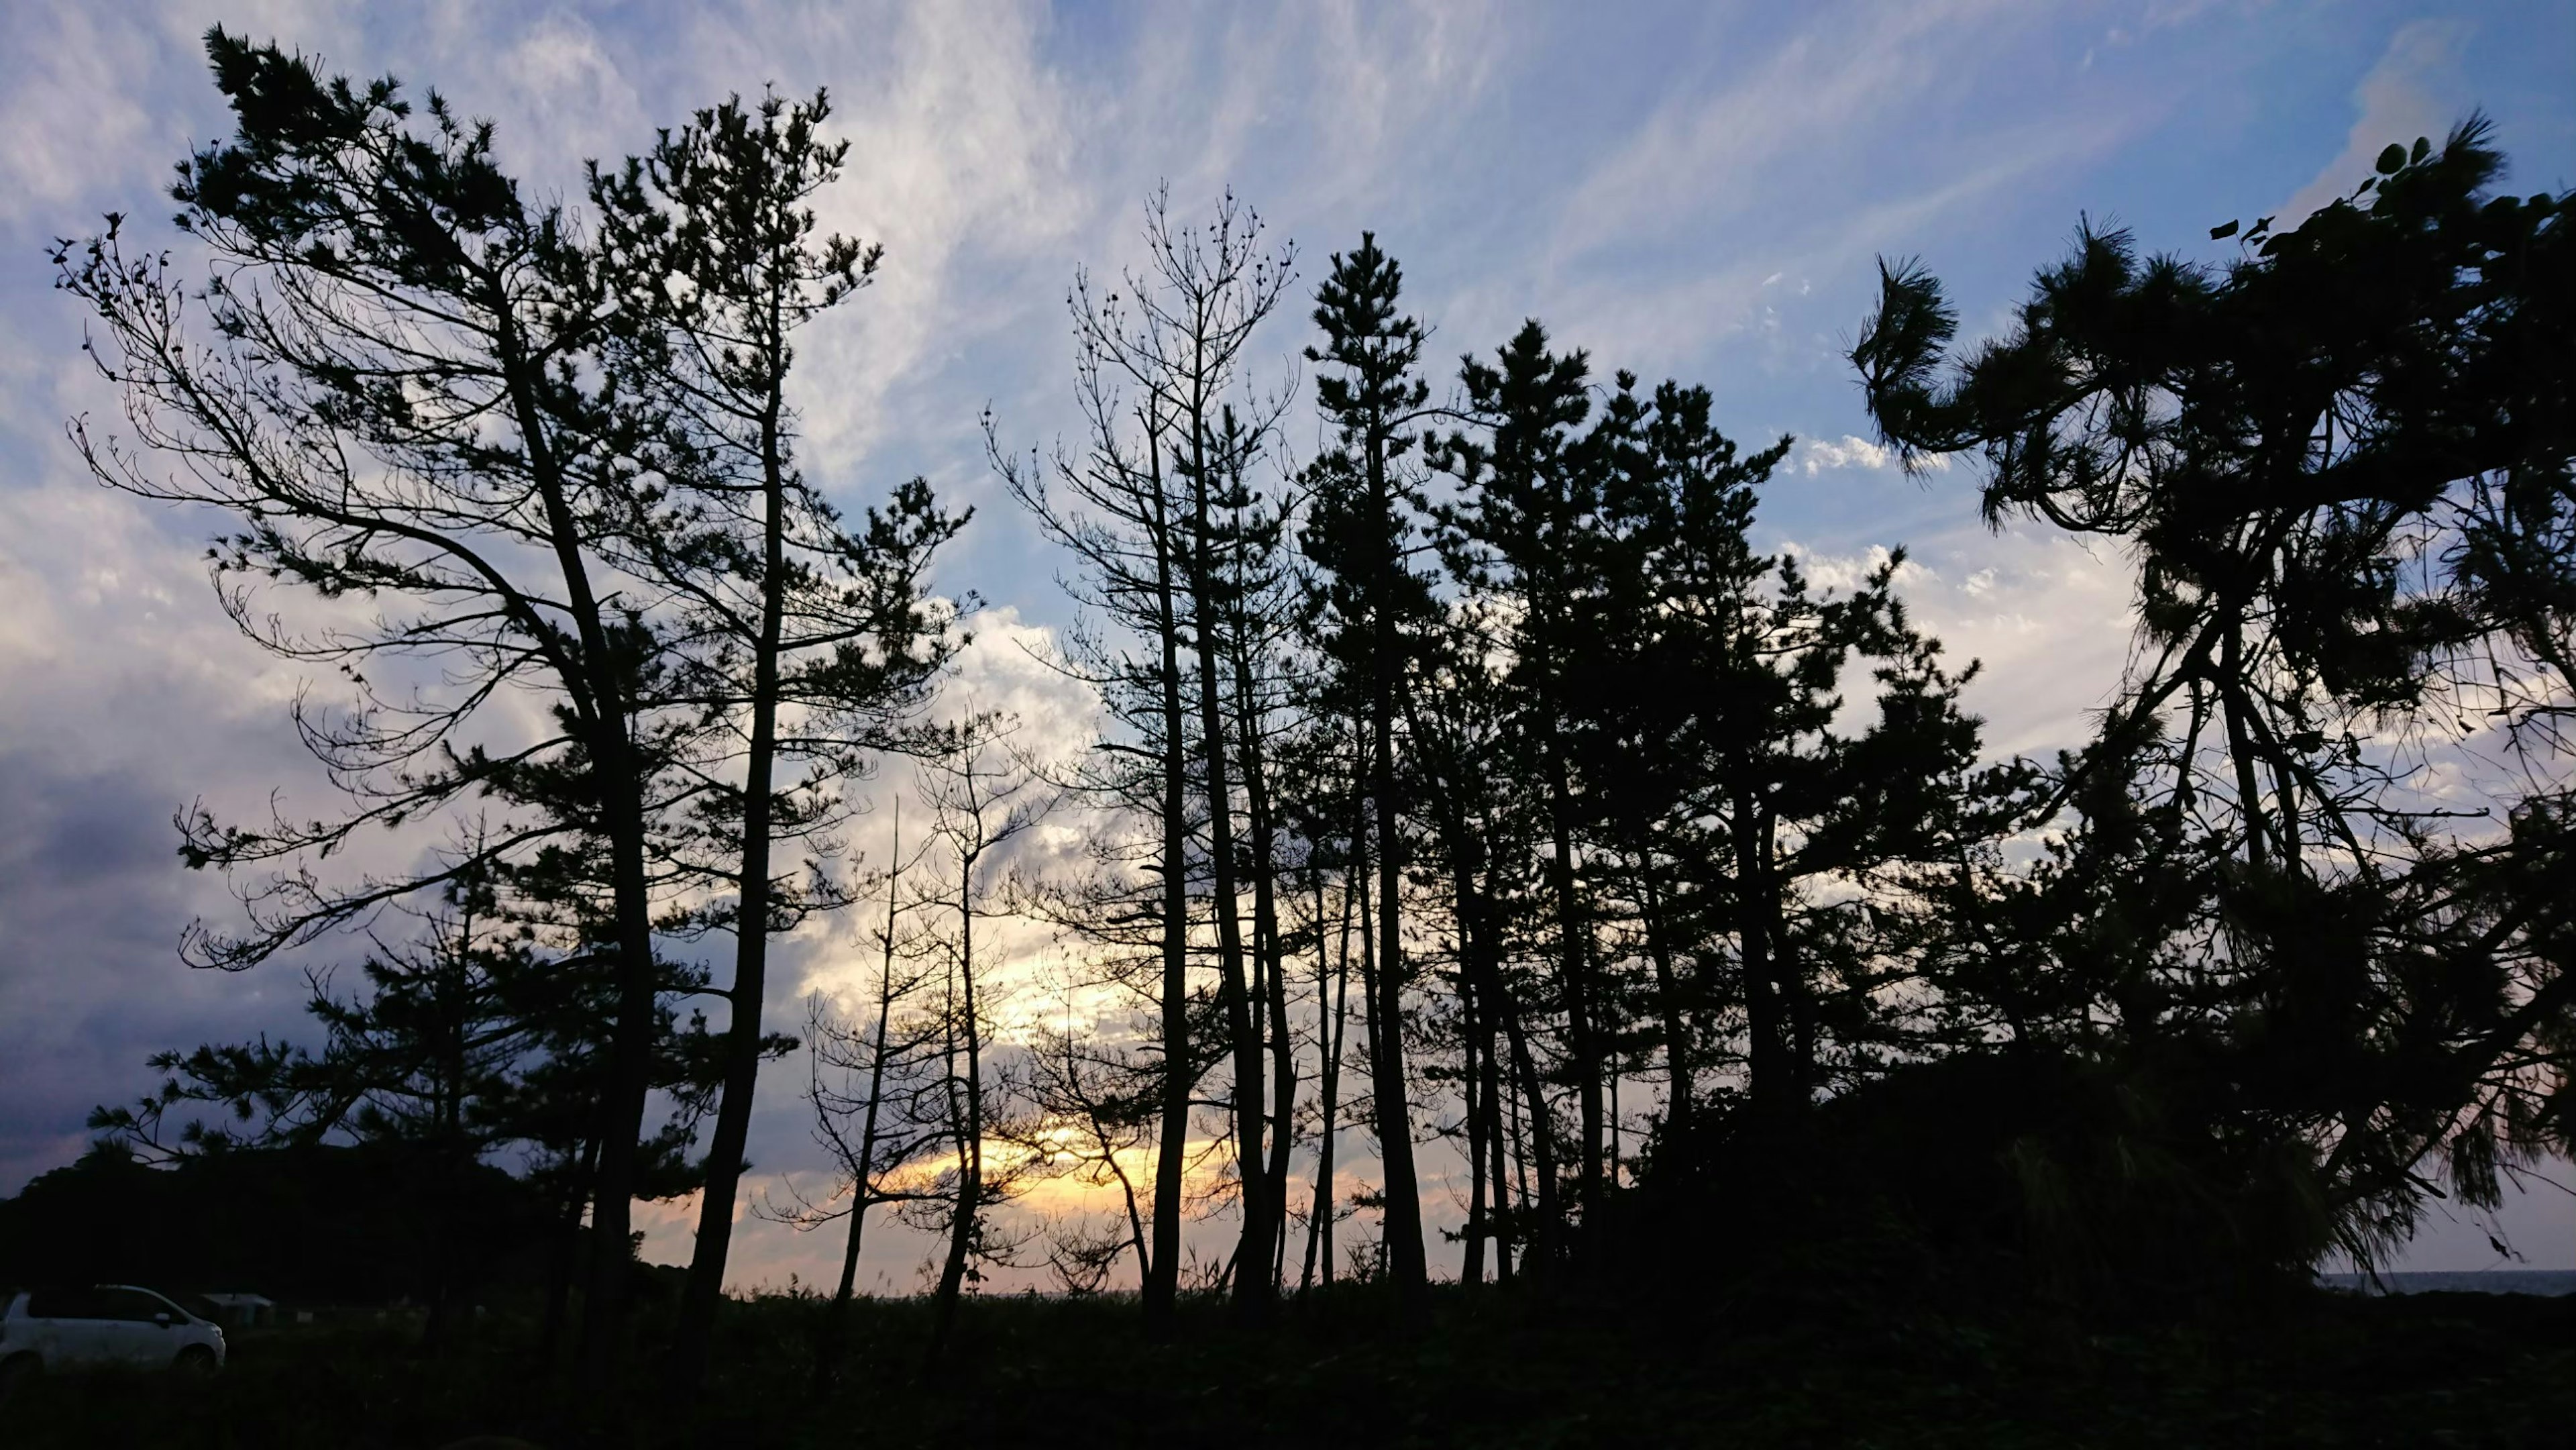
<point x="1500" y="1369"/>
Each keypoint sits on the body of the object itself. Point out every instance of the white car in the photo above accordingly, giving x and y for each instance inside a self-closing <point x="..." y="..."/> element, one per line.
<point x="101" y="1326"/>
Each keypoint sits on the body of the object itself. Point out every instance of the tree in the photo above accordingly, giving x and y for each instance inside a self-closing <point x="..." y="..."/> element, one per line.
<point x="1367" y="607"/>
<point x="1260" y="619"/>
<point x="383" y="381"/>
<point x="1521" y="535"/>
<point x="1458" y="721"/>
<point x="980" y="798"/>
<point x="814" y="642"/>
<point x="1115" y="513"/>
<point x="1091" y="1108"/>
<point x="1146" y="512"/>
<point x="877" y="1071"/>
<point x="2343" y="461"/>
<point x="1184" y="354"/>
<point x="1333" y="841"/>
<point x="465" y="1043"/>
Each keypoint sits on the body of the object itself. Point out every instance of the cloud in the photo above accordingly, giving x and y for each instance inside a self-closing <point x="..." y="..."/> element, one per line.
<point x="961" y="155"/>
<point x="1817" y="456"/>
<point x="1771" y="153"/>
<point x="1809" y="96"/>
<point x="2414" y="90"/>
<point x="2049" y="620"/>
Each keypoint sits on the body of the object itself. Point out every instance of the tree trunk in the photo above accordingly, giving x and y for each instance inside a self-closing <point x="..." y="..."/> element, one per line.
<point x="1269" y="951"/>
<point x="1162" y="1276"/>
<point x="1471" y="1268"/>
<point x="1500" y="1215"/>
<point x="827" y="1345"/>
<point x="618" y="784"/>
<point x="1681" y="1129"/>
<point x="1574" y="937"/>
<point x="705" y="1288"/>
<point x="1477" y="935"/>
<point x="970" y="1168"/>
<point x="1403" y="1240"/>
<point x="1254" y="1245"/>
<point x="1540" y="1150"/>
<point x="1319" y="1224"/>
<point x="567" y="1250"/>
<point x="1772" y="1070"/>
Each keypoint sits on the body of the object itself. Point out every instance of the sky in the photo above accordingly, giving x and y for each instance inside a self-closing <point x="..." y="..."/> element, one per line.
<point x="1692" y="190"/>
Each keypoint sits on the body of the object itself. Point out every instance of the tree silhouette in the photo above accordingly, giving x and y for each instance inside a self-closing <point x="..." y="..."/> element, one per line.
<point x="2343" y="462"/>
<point x="381" y="381"/>
<point x="814" y="642"/>
<point x="1367" y="605"/>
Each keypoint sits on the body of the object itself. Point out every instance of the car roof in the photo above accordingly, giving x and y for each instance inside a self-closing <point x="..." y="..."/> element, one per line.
<point x="155" y="1293"/>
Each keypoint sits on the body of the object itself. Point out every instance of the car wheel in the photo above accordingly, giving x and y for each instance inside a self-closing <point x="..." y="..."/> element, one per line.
<point x="196" y="1362"/>
<point x="17" y="1370"/>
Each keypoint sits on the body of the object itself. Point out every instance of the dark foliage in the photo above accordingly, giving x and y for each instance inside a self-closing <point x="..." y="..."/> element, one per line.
<point x="2346" y="463"/>
<point x="303" y="1225"/>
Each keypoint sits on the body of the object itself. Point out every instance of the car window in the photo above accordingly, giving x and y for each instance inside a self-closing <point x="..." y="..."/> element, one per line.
<point x="59" y="1304"/>
<point x="131" y="1304"/>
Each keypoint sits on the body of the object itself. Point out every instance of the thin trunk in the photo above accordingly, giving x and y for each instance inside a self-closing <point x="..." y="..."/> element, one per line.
<point x="1789" y="973"/>
<point x="617" y="778"/>
<point x="1254" y="1245"/>
<point x="454" y="1156"/>
<point x="970" y="1173"/>
<point x="1500" y="1216"/>
<point x="1269" y="950"/>
<point x="827" y="1347"/>
<point x="567" y="1250"/>
<point x="1403" y="1232"/>
<point x="1505" y="1013"/>
<point x="1680" y="1123"/>
<point x="2240" y="748"/>
<point x="1479" y="1001"/>
<point x="1574" y="939"/>
<point x="1162" y="1276"/>
<point x="1471" y="1269"/>
<point x="1614" y="1120"/>
<point x="1319" y="1224"/>
<point x="1520" y="1153"/>
<point x="1369" y="1032"/>
<point x="705" y="1288"/>
<point x="1767" y="1067"/>
<point x="1540" y="1150"/>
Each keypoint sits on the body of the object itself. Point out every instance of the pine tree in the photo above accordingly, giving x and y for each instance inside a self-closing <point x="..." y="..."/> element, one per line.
<point x="2343" y="464"/>
<point x="383" y="383"/>
<point x="1369" y="606"/>
<point x="813" y="642"/>
<point x="1522" y="535"/>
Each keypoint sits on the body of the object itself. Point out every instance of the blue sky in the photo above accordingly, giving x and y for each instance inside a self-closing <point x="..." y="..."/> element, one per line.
<point x="1691" y="190"/>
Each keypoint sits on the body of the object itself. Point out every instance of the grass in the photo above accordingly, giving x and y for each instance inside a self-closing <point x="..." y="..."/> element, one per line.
<point x="1493" y="1369"/>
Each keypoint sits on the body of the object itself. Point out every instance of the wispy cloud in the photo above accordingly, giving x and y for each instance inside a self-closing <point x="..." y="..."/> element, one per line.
<point x="2414" y="90"/>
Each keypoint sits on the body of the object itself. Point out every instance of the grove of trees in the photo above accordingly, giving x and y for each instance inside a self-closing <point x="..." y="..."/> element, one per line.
<point x="1653" y="876"/>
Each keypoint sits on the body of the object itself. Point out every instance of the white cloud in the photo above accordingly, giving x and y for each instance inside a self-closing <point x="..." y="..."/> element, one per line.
<point x="2050" y="621"/>
<point x="1807" y="98"/>
<point x="2414" y="90"/>
<point x="1851" y="452"/>
<point x="1819" y="455"/>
